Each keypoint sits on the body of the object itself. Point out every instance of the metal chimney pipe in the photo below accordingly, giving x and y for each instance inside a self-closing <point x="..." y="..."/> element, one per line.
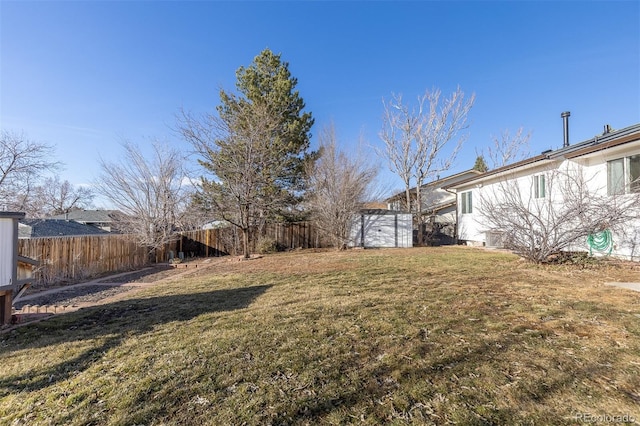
<point x="565" y="124"/>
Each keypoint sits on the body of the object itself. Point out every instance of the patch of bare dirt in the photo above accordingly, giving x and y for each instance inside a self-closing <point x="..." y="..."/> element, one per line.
<point x="73" y="296"/>
<point x="60" y="298"/>
<point x="145" y="275"/>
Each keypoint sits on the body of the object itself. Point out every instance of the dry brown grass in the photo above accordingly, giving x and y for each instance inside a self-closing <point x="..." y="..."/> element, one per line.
<point x="417" y="336"/>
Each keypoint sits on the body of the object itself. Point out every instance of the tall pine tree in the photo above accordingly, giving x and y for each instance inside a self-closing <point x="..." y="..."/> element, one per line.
<point x="256" y="148"/>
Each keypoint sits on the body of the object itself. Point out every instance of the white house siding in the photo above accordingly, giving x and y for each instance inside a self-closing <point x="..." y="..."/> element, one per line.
<point x="593" y="167"/>
<point x="447" y="215"/>
<point x="626" y="244"/>
<point x="382" y="230"/>
<point x="433" y="195"/>
<point x="471" y="226"/>
<point x="7" y="259"/>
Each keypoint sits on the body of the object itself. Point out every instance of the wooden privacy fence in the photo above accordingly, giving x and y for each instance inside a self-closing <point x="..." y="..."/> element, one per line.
<point x="201" y="243"/>
<point x="295" y="235"/>
<point x="78" y="257"/>
<point x="74" y="258"/>
<point x="223" y="241"/>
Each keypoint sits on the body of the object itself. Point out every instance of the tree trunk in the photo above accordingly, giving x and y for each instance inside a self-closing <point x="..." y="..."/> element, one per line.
<point x="407" y="194"/>
<point x="245" y="243"/>
<point x="419" y="218"/>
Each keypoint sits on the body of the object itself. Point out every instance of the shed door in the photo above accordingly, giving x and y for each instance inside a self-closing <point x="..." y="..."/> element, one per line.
<point x="380" y="231"/>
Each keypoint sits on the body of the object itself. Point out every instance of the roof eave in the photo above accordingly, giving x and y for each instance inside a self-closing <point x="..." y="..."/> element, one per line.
<point x="434" y="183"/>
<point x="499" y="170"/>
<point x="602" y="146"/>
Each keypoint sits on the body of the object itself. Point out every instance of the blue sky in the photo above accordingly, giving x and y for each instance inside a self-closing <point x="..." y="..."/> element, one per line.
<point x="84" y="75"/>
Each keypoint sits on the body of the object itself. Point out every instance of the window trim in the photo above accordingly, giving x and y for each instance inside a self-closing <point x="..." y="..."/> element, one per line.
<point x="539" y="186"/>
<point x="466" y="202"/>
<point x="625" y="184"/>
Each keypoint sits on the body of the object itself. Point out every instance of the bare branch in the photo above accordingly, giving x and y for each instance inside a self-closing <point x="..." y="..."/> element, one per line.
<point x="22" y="163"/>
<point x="507" y="148"/>
<point x="424" y="142"/>
<point x="254" y="149"/>
<point x="570" y="210"/>
<point x="338" y="186"/>
<point x="56" y="197"/>
<point x="399" y="128"/>
<point x="150" y="192"/>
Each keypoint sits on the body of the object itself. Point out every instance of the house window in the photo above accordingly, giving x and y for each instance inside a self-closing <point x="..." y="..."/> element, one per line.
<point x="623" y="175"/>
<point x="467" y="204"/>
<point x="539" y="186"/>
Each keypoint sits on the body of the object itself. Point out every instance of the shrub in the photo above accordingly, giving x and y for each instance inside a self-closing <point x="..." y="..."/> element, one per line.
<point x="266" y="245"/>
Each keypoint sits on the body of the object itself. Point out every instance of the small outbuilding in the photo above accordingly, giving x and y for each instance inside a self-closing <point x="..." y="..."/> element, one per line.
<point x="379" y="228"/>
<point x="15" y="270"/>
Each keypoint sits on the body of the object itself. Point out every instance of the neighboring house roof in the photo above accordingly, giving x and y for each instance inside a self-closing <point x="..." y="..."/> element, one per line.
<point x="31" y="228"/>
<point x="215" y="224"/>
<point x="440" y="183"/>
<point x="441" y="206"/>
<point x="105" y="219"/>
<point x="88" y="216"/>
<point x="597" y="143"/>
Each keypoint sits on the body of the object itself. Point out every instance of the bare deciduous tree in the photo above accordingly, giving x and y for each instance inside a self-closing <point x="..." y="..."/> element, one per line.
<point x="571" y="209"/>
<point x="151" y="193"/>
<point x="399" y="128"/>
<point x="507" y="148"/>
<point x="56" y="197"/>
<point x="416" y="140"/>
<point x="22" y="163"/>
<point x="338" y="186"/>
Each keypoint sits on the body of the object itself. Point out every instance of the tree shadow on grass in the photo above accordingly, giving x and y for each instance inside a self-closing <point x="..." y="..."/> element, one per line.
<point x="372" y="386"/>
<point x="112" y="323"/>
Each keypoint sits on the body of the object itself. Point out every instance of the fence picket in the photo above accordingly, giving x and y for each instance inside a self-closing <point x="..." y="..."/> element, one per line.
<point x="73" y="258"/>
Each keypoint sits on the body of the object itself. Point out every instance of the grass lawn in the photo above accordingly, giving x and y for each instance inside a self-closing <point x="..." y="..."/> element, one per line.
<point x="417" y="336"/>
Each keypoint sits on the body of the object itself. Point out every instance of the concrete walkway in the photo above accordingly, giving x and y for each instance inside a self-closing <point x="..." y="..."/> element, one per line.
<point x="628" y="286"/>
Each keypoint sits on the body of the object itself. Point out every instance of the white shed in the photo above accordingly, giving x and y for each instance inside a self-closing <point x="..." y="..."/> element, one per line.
<point x="382" y="228"/>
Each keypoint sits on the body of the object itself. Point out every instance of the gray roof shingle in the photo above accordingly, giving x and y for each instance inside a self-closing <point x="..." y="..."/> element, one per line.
<point x="32" y="228"/>
<point x="88" y="216"/>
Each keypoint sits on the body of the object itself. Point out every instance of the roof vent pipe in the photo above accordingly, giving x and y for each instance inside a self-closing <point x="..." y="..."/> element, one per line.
<point x="565" y="124"/>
